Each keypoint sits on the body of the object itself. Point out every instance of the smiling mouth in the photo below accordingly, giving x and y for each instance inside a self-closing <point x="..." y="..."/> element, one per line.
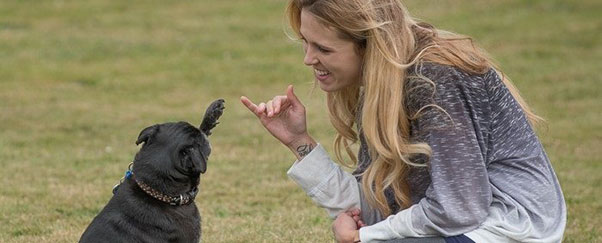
<point x="321" y="74"/>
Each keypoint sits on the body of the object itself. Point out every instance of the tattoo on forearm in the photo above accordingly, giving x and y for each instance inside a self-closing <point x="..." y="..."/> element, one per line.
<point x="304" y="150"/>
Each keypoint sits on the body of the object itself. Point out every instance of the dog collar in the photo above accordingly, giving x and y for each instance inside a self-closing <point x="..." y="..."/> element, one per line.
<point x="181" y="199"/>
<point x="128" y="175"/>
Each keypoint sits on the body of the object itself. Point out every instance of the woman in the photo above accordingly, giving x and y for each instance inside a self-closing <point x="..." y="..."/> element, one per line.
<point x="447" y="152"/>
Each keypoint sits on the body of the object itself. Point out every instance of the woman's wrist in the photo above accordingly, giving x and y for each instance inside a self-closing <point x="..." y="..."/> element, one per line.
<point x="302" y="146"/>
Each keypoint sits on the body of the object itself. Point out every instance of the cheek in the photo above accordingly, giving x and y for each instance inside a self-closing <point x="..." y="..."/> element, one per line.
<point x="350" y="71"/>
<point x="356" y="68"/>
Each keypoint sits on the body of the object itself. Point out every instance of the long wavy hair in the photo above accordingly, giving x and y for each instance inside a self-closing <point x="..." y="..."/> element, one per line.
<point x="390" y="41"/>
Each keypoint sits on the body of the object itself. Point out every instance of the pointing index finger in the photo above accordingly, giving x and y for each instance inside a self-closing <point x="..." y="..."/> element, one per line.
<point x="249" y="104"/>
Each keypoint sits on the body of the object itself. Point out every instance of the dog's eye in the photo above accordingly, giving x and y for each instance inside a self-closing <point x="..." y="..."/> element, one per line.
<point x="186" y="150"/>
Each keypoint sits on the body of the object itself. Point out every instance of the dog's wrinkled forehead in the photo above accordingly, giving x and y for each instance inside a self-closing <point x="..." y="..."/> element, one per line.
<point x="180" y="131"/>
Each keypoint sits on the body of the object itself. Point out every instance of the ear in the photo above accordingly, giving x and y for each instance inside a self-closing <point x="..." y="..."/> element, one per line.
<point x="194" y="162"/>
<point x="147" y="134"/>
<point x="214" y="111"/>
<point x="200" y="162"/>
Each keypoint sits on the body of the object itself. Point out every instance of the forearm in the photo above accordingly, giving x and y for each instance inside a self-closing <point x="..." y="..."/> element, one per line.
<point x="325" y="182"/>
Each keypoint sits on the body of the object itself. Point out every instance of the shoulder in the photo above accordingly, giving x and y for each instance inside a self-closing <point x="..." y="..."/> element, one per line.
<point x="432" y="70"/>
<point x="447" y="76"/>
<point x="445" y="88"/>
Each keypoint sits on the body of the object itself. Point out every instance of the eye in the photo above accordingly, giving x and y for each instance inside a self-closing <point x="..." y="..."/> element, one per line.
<point x="321" y="49"/>
<point x="186" y="150"/>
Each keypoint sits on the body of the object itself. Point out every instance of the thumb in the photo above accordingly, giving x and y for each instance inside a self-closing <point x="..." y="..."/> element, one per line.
<point x="290" y="95"/>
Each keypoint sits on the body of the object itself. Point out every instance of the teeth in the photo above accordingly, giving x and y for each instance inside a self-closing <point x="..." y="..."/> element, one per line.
<point x="322" y="73"/>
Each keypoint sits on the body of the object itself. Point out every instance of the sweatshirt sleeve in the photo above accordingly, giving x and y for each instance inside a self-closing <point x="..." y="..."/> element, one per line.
<point x="325" y="182"/>
<point x="459" y="195"/>
<point x="329" y="186"/>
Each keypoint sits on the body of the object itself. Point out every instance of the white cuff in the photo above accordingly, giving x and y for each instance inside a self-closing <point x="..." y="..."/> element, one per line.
<point x="397" y="226"/>
<point x="325" y="182"/>
<point x="310" y="171"/>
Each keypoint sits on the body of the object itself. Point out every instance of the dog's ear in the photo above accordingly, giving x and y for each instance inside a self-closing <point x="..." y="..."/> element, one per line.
<point x="147" y="134"/>
<point x="194" y="162"/>
<point x="214" y="111"/>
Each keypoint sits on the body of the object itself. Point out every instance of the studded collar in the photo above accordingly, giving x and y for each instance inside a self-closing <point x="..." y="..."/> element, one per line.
<point x="181" y="199"/>
<point x="178" y="200"/>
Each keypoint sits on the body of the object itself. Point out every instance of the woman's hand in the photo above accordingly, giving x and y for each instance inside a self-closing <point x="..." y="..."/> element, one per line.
<point x="284" y="117"/>
<point x="346" y="226"/>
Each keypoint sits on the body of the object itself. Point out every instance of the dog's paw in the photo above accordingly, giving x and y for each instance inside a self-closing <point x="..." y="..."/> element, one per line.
<point x="213" y="113"/>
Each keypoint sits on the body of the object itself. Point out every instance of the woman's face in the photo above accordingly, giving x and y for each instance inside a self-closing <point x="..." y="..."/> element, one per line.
<point x="335" y="61"/>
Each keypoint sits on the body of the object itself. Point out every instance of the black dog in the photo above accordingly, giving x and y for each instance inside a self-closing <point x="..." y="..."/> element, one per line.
<point x="155" y="200"/>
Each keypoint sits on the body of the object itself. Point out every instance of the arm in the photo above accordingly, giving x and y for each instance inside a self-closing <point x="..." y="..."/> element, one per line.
<point x="329" y="186"/>
<point x="325" y="182"/>
<point x="336" y="191"/>
<point x="451" y="206"/>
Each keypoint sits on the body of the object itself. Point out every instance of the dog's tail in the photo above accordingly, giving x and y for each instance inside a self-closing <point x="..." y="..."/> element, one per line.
<point x="213" y="113"/>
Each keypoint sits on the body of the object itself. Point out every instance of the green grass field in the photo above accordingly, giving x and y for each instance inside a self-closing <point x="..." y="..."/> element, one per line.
<point x="80" y="79"/>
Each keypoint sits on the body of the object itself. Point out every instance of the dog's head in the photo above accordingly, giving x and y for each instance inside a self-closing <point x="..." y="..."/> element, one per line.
<point x="176" y="152"/>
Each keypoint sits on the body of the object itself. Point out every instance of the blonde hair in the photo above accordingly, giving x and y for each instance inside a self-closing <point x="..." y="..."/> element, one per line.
<point x="390" y="41"/>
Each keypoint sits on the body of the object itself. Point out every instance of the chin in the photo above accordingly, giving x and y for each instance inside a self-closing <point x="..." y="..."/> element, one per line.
<point x="327" y="88"/>
<point x="332" y="85"/>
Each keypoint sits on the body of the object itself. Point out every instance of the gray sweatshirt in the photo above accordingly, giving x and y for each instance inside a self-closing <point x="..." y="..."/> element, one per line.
<point x="488" y="177"/>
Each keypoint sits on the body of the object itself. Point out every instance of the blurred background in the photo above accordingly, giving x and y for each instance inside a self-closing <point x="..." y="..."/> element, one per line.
<point x="80" y="79"/>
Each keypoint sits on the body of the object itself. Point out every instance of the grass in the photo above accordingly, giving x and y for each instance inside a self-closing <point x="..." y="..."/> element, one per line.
<point x="80" y="79"/>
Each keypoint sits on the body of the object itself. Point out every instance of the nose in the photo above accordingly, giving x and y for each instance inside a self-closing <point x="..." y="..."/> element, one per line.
<point x="310" y="57"/>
